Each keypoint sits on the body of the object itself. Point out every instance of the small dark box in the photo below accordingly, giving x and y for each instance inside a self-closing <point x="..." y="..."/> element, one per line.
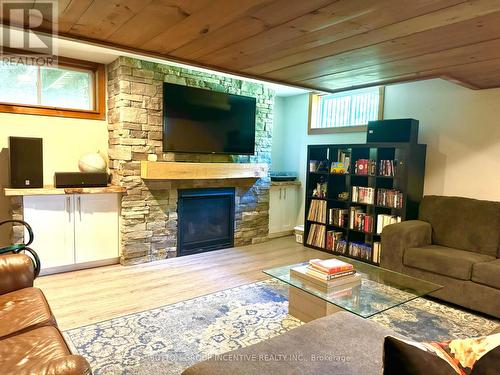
<point x="80" y="179"/>
<point x="399" y="130"/>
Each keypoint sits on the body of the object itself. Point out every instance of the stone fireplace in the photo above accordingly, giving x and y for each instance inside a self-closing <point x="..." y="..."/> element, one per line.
<point x="149" y="216"/>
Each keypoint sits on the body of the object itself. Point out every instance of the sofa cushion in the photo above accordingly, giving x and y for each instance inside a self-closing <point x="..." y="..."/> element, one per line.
<point x="487" y="273"/>
<point x="41" y="351"/>
<point x="443" y="260"/>
<point x="477" y="355"/>
<point x="463" y="223"/>
<point x="23" y="310"/>
<point x="341" y="343"/>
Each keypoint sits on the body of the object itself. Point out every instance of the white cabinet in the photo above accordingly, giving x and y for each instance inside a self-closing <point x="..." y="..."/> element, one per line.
<point x="52" y="220"/>
<point x="96" y="227"/>
<point x="73" y="229"/>
<point x="283" y="208"/>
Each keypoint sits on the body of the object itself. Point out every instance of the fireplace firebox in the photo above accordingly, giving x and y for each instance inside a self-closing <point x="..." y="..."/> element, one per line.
<point x="205" y="220"/>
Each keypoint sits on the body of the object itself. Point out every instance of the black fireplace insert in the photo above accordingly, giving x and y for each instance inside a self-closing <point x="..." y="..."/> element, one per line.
<point x="205" y="220"/>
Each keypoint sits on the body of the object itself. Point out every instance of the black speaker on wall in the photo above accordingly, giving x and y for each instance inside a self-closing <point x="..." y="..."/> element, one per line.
<point x="397" y="130"/>
<point x="25" y="162"/>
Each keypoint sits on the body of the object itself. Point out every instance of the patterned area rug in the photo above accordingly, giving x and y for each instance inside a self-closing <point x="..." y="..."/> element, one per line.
<point x="168" y="339"/>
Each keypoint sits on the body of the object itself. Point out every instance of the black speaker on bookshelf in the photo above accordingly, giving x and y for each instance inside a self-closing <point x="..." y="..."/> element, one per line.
<point x="25" y="162"/>
<point x="397" y="130"/>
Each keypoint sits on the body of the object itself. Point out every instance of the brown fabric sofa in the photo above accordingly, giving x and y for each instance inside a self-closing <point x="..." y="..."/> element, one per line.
<point x="455" y="243"/>
<point x="30" y="342"/>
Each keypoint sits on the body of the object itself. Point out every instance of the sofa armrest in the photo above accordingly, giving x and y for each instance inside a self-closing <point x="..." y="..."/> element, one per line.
<point x="398" y="237"/>
<point x="68" y="365"/>
<point x="16" y="272"/>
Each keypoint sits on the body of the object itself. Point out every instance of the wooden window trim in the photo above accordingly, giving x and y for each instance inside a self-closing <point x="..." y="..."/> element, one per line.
<point x="314" y="97"/>
<point x="99" y="96"/>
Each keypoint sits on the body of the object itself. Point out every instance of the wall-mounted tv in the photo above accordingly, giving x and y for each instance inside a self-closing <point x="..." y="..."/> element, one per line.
<point x="204" y="121"/>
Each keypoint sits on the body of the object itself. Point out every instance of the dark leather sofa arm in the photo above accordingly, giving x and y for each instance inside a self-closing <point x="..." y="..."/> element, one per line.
<point x="16" y="272"/>
<point x="398" y="237"/>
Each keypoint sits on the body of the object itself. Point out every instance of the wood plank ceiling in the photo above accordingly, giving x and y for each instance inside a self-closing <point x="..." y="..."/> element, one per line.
<point x="327" y="45"/>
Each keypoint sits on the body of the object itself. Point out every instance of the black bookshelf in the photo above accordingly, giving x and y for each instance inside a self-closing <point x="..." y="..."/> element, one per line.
<point x="408" y="179"/>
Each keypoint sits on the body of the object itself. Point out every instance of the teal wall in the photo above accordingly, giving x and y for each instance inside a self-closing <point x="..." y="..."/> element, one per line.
<point x="290" y="138"/>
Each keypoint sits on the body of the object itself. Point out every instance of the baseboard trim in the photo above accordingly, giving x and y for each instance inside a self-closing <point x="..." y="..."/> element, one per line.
<point x="281" y="234"/>
<point x="79" y="266"/>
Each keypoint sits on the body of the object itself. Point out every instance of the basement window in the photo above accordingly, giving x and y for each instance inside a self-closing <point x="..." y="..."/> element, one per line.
<point x="73" y="90"/>
<point x="346" y="111"/>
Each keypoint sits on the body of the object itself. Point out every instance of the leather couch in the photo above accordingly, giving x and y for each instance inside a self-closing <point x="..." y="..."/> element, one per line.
<point x="30" y="342"/>
<point x="455" y="243"/>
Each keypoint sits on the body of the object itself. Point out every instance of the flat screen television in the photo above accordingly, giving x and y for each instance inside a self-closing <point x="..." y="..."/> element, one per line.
<point x="204" y="121"/>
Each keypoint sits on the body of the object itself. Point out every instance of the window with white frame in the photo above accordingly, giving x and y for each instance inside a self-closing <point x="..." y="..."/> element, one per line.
<point x="345" y="111"/>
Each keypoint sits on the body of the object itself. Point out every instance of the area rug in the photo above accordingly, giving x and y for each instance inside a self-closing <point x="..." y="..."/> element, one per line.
<point x="168" y="339"/>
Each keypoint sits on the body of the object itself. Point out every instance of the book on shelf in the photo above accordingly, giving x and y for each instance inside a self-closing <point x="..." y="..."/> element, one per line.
<point x="383" y="220"/>
<point x="338" y="217"/>
<point x="341" y="246"/>
<point x="331" y="286"/>
<point x="392" y="198"/>
<point x="365" y="167"/>
<point x="360" y="220"/>
<point x="387" y="168"/>
<point x="343" y="163"/>
<point x="360" y="250"/>
<point x="319" y="166"/>
<point x="377" y="248"/>
<point x="332" y="239"/>
<point x="317" y="211"/>
<point x="316" y="236"/>
<point x="330" y="266"/>
<point x="362" y="194"/>
<point x="321" y="190"/>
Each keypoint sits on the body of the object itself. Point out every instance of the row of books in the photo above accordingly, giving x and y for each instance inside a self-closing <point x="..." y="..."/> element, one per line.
<point x="383" y="220"/>
<point x="332" y="240"/>
<point x="338" y="217"/>
<point x="390" y="198"/>
<point x="359" y="220"/>
<point x="362" y="194"/>
<point x="365" y="166"/>
<point x="387" y="167"/>
<point x="361" y="166"/>
<point x="316" y="236"/>
<point x="317" y="211"/>
<point x="360" y="250"/>
<point x="377" y="248"/>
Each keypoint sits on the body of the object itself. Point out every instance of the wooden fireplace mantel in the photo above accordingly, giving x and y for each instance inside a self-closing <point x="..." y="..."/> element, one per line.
<point x="153" y="170"/>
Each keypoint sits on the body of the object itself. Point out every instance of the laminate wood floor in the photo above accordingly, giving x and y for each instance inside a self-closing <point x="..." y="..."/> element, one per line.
<point x="88" y="296"/>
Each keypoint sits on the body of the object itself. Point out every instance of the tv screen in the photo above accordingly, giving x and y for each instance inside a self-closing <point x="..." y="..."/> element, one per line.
<point x="203" y="121"/>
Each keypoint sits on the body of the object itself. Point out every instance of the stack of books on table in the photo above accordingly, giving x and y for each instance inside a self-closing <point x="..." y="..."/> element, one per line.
<point x="331" y="276"/>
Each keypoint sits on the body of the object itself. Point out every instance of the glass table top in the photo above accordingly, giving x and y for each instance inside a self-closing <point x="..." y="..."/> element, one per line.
<point x="380" y="289"/>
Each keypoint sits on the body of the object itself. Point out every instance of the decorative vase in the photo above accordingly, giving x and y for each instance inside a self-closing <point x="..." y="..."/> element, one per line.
<point x="92" y="162"/>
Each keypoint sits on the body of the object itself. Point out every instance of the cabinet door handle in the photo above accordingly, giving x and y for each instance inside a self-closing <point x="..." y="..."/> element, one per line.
<point x="280" y="193"/>
<point x="285" y="193"/>
<point x="68" y="207"/>
<point x="79" y="203"/>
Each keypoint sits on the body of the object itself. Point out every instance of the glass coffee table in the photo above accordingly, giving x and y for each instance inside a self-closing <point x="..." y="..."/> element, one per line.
<point x="380" y="290"/>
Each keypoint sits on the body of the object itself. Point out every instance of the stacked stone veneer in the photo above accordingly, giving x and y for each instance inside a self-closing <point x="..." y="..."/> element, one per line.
<point x="149" y="208"/>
